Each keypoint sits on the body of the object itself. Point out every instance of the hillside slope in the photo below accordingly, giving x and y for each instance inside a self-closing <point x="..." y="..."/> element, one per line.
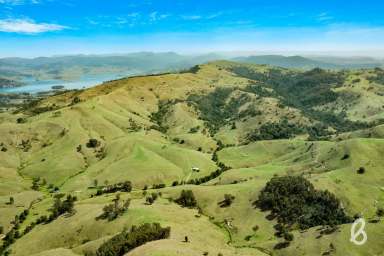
<point x="219" y="128"/>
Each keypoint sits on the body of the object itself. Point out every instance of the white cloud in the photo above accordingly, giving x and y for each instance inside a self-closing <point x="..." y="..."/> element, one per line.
<point x="324" y="16"/>
<point x="200" y="17"/>
<point x="19" y="2"/>
<point x="191" y="17"/>
<point x="155" y="16"/>
<point x="27" y="26"/>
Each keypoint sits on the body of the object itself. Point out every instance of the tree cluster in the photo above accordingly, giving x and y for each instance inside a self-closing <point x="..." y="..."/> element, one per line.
<point x="116" y="209"/>
<point x="14" y="233"/>
<point x="130" y="239"/>
<point x="274" y="131"/>
<point x="125" y="186"/>
<point x="294" y="200"/>
<point x="61" y="207"/>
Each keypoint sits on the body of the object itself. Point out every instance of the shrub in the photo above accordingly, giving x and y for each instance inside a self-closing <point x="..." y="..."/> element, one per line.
<point x="158" y="186"/>
<point x="288" y="236"/>
<point x="380" y="212"/>
<point x="76" y="100"/>
<point x="21" y="120"/>
<point x="194" y="129"/>
<point x="92" y="143"/>
<point x="346" y="156"/>
<point x="187" y="199"/>
<point x="228" y="200"/>
<point x="151" y="198"/>
<point x="125" y="186"/>
<point x="361" y="170"/>
<point x="128" y="240"/>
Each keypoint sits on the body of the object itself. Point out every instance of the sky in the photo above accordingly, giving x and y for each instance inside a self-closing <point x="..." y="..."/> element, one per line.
<point x="30" y="28"/>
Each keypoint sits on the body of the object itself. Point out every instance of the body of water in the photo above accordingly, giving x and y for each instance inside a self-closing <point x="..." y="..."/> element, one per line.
<point x="44" y="86"/>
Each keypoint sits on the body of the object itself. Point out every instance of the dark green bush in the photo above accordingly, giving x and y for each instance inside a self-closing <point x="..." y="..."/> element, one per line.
<point x="187" y="199"/>
<point x="293" y="199"/>
<point x="129" y="240"/>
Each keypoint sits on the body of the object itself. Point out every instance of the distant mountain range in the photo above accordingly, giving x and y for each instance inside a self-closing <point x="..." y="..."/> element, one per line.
<point x="312" y="62"/>
<point x="72" y="68"/>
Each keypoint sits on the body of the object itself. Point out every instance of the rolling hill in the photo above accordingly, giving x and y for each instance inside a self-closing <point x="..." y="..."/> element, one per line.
<point x="311" y="62"/>
<point x="222" y="130"/>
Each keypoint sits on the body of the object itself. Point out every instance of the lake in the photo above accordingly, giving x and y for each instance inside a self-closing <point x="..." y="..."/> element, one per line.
<point x="44" y="86"/>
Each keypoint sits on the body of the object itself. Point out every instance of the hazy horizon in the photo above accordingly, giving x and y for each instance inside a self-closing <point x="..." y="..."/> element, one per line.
<point x="31" y="28"/>
<point x="225" y="54"/>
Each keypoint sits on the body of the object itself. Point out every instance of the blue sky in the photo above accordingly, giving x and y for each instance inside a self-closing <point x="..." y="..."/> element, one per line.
<point x="54" y="27"/>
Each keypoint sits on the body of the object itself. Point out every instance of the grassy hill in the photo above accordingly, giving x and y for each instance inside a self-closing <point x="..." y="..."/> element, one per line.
<point x="222" y="128"/>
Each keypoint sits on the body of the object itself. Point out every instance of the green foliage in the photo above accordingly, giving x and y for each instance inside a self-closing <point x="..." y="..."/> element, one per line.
<point x="128" y="240"/>
<point x="75" y="100"/>
<point x="304" y="91"/>
<point x="194" y="129"/>
<point x="151" y="198"/>
<point x="125" y="186"/>
<point x="379" y="212"/>
<point x="187" y="199"/>
<point x="228" y="200"/>
<point x="158" y="186"/>
<point x="36" y="183"/>
<point x="114" y="210"/>
<point x="378" y="77"/>
<point x="159" y="117"/>
<point x="293" y="199"/>
<point x="14" y="233"/>
<point x="361" y="170"/>
<point x="61" y="207"/>
<point x="217" y="109"/>
<point x="272" y="131"/>
<point x="21" y="120"/>
<point x="92" y="143"/>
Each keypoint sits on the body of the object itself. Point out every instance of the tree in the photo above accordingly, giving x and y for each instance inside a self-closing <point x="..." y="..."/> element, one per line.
<point x="61" y="207"/>
<point x="92" y="143"/>
<point x="152" y="198"/>
<point x="380" y="212"/>
<point x="149" y="200"/>
<point x="187" y="199"/>
<point x="228" y="200"/>
<point x="116" y="209"/>
<point x="361" y="170"/>
<point x="35" y="183"/>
